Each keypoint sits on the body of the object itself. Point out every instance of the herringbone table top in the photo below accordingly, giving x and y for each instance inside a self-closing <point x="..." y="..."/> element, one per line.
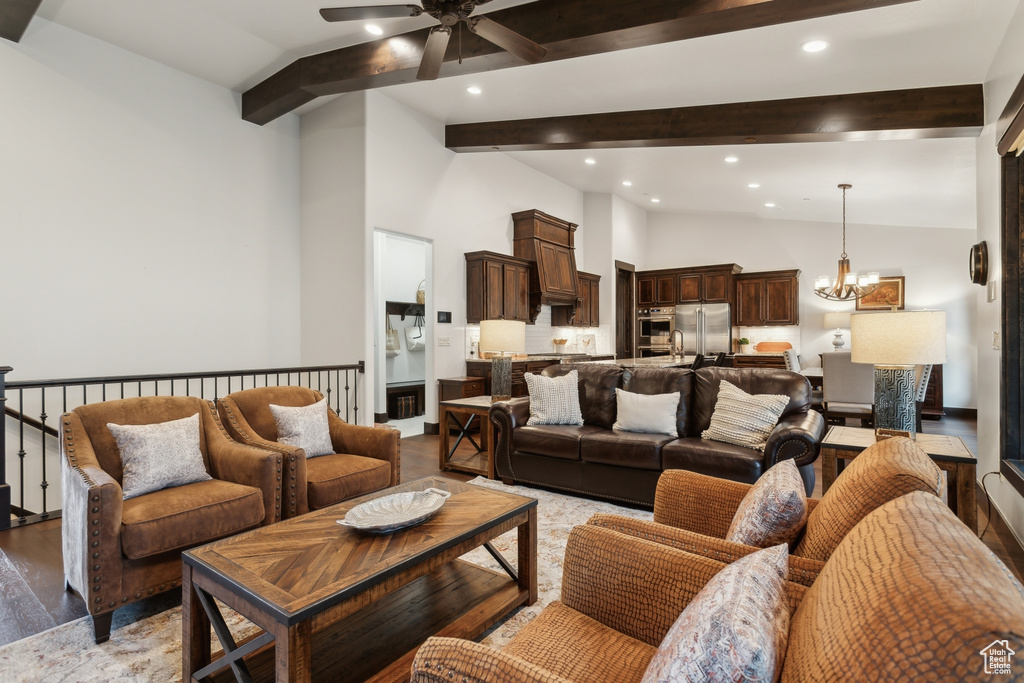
<point x="303" y="565"/>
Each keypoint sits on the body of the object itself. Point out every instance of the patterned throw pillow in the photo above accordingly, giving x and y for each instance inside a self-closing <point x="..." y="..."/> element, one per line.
<point x="735" y="629"/>
<point x="774" y="509"/>
<point x="744" y="419"/>
<point x="305" y="427"/>
<point x="160" y="455"/>
<point x="554" y="400"/>
<point x="647" y="413"/>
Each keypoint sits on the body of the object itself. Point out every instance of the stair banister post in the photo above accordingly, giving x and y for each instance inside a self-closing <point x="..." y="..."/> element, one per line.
<point x="5" y="488"/>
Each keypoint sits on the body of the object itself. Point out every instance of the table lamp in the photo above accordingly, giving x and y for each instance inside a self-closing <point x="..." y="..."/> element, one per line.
<point x="839" y="320"/>
<point x="894" y="343"/>
<point x="501" y="340"/>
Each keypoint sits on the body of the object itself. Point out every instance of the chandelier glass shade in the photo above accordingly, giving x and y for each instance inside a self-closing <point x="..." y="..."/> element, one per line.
<point x="847" y="285"/>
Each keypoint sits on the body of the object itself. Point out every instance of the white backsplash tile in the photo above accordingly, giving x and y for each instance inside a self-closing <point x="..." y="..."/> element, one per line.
<point x="541" y="335"/>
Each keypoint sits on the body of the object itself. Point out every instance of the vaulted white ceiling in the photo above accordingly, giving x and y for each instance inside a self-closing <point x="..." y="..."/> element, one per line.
<point x="238" y="43"/>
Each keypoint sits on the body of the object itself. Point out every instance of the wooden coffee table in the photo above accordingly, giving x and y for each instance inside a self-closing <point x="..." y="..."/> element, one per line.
<point x="950" y="453"/>
<point x="343" y="605"/>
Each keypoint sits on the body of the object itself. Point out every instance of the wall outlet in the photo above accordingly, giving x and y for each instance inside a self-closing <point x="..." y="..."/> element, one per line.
<point x="444" y="341"/>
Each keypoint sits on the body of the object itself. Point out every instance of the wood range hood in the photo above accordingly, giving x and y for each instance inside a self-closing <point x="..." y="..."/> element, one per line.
<point x="547" y="242"/>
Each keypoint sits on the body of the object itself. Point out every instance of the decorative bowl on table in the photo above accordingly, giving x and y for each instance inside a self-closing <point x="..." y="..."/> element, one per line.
<point x="397" y="511"/>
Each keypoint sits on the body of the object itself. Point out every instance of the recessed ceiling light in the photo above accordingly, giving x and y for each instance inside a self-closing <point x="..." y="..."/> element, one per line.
<point x="731" y="160"/>
<point x="769" y="205"/>
<point x="473" y="90"/>
<point x="655" y="200"/>
<point x="590" y="161"/>
<point x="627" y="183"/>
<point x="753" y="186"/>
<point x="814" y="45"/>
<point x="374" y="29"/>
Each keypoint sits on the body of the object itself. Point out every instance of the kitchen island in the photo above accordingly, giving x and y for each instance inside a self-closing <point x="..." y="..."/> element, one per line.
<point x="651" y="362"/>
<point x="534" y="363"/>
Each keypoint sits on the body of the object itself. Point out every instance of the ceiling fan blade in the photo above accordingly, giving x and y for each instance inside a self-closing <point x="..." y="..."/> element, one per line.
<point x="507" y="39"/>
<point x="433" y="53"/>
<point x="365" y="13"/>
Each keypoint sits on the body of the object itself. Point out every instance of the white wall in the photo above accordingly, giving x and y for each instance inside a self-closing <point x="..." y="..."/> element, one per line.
<point x="933" y="261"/>
<point x="1004" y="74"/>
<point x="144" y="226"/>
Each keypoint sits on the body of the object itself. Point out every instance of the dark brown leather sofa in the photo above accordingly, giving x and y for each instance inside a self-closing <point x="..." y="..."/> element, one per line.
<point x="594" y="460"/>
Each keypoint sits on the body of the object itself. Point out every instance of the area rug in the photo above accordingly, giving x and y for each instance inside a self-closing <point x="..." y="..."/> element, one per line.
<point x="147" y="647"/>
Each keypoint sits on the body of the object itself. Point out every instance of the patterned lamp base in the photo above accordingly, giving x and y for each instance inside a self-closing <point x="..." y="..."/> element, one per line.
<point x="894" y="398"/>
<point x="501" y="378"/>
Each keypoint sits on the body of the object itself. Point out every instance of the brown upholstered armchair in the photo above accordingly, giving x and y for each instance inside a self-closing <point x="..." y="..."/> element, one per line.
<point x="365" y="459"/>
<point x="909" y="594"/>
<point x="117" y="551"/>
<point x="693" y="511"/>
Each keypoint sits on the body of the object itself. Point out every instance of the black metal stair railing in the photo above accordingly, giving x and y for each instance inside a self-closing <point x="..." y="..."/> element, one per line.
<point x="38" y="450"/>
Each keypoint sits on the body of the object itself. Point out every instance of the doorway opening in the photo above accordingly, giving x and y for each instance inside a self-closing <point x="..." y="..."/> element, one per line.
<point x="403" y="358"/>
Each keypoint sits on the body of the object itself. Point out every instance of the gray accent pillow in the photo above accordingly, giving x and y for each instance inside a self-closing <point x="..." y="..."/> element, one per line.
<point x="159" y="455"/>
<point x="554" y="400"/>
<point x="646" y="413"/>
<point x="735" y="629"/>
<point x="305" y="427"/>
<point x="744" y="419"/>
<point x="773" y="511"/>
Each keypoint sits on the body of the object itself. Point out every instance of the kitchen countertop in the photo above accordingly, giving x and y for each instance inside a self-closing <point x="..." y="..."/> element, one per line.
<point x="654" y="362"/>
<point x="569" y="357"/>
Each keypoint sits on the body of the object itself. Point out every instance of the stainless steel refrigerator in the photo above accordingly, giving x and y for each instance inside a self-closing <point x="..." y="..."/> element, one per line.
<point x="707" y="328"/>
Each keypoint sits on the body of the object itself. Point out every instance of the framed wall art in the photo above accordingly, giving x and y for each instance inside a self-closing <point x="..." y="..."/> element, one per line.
<point x="889" y="293"/>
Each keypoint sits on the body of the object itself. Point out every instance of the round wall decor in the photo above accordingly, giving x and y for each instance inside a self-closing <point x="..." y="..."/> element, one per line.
<point x="979" y="263"/>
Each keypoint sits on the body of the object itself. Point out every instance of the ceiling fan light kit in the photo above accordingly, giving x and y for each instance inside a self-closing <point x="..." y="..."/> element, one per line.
<point x="847" y="284"/>
<point x="449" y="14"/>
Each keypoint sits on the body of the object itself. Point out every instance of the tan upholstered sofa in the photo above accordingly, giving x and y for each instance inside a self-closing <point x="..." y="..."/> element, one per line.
<point x="909" y="594"/>
<point x="365" y="459"/>
<point x="117" y="551"/>
<point x="693" y="511"/>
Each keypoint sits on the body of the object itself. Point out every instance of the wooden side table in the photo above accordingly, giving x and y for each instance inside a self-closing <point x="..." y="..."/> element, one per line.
<point x="476" y="409"/>
<point x="950" y="453"/>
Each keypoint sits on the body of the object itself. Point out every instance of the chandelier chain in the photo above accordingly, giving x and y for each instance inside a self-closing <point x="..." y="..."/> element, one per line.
<point x="844" y="223"/>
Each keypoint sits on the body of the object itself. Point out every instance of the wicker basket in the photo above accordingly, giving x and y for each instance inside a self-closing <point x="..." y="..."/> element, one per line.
<point x="421" y="293"/>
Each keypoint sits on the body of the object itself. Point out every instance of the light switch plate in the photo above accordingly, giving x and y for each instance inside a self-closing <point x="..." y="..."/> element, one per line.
<point x="992" y="290"/>
<point x="444" y="341"/>
<point x="995" y="341"/>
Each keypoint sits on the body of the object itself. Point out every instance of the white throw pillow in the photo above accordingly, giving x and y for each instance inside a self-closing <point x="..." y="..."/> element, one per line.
<point x="554" y="400"/>
<point x="744" y="419"/>
<point x="159" y="455"/>
<point x="774" y="509"/>
<point x="735" y="629"/>
<point x="305" y="427"/>
<point x="647" y="413"/>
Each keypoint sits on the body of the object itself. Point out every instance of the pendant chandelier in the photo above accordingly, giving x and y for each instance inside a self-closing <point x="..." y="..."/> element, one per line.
<point x="847" y="284"/>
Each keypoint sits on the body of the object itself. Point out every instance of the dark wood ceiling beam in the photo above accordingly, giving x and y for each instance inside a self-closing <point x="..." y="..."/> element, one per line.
<point x="15" y="16"/>
<point x="951" y="111"/>
<point x="567" y="28"/>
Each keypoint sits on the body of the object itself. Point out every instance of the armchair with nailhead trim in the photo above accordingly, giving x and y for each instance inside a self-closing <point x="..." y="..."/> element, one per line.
<point x="365" y="459"/>
<point x="117" y="551"/>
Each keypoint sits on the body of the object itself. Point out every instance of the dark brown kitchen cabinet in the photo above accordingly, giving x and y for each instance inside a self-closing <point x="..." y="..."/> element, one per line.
<point x="519" y="369"/>
<point x="497" y="287"/>
<point x="655" y="289"/>
<point x="708" y="284"/>
<point x="586" y="312"/>
<point x="767" y="298"/>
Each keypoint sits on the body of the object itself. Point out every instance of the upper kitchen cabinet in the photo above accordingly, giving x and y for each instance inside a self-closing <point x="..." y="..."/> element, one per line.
<point x="548" y="243"/>
<point x="586" y="312"/>
<point x="497" y="287"/>
<point x="767" y="298"/>
<point x="656" y="288"/>
<point x="706" y="284"/>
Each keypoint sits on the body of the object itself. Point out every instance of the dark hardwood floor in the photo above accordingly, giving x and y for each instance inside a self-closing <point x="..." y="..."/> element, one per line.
<point x="33" y="599"/>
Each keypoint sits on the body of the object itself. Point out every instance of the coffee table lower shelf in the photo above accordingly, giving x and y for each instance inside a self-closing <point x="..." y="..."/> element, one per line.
<point x="459" y="600"/>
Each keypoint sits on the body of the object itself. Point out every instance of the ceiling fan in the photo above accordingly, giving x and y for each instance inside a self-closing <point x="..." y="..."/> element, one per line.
<point x="449" y="14"/>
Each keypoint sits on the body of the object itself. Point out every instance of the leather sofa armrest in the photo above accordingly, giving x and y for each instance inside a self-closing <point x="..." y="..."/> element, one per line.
<point x="369" y="442"/>
<point x="443" y="660"/>
<point x="92" y="503"/>
<point x="797" y="436"/>
<point x="697" y="502"/>
<point x="802" y="570"/>
<point x="275" y="474"/>
<point x="506" y="416"/>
